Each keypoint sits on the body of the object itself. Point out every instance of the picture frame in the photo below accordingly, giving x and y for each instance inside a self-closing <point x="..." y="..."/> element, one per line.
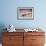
<point x="25" y="13"/>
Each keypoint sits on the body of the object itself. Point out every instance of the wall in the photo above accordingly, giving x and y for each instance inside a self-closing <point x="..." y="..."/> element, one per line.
<point x="8" y="13"/>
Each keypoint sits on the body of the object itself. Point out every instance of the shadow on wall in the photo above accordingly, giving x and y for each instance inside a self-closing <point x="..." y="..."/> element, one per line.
<point x="2" y="26"/>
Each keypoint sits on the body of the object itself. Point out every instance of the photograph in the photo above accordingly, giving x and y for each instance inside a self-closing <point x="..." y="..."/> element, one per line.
<point x="25" y="13"/>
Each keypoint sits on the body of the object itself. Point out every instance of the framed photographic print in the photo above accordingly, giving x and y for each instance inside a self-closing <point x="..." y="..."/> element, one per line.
<point x="25" y="13"/>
